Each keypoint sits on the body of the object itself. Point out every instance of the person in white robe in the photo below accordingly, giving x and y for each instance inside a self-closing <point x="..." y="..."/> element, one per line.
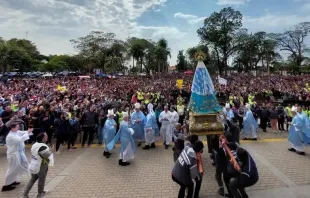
<point x="174" y="119"/>
<point x="41" y="158"/>
<point x="228" y="112"/>
<point x="295" y="135"/>
<point x="109" y="131"/>
<point x="249" y="124"/>
<point x="150" y="126"/>
<point x="138" y="119"/>
<point x="17" y="160"/>
<point x="165" y="118"/>
<point x="128" y="147"/>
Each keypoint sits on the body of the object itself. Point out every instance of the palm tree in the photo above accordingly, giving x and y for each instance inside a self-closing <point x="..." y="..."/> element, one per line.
<point x="162" y="53"/>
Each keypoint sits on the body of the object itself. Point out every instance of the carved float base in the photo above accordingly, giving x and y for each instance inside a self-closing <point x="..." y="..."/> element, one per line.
<point x="205" y="124"/>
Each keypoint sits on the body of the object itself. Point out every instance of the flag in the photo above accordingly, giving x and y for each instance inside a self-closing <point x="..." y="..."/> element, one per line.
<point x="222" y="81"/>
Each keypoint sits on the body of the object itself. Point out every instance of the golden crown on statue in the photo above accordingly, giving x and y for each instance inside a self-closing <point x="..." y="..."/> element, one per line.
<point x="200" y="56"/>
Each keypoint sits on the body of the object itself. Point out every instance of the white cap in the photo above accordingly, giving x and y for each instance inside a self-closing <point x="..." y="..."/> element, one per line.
<point x="227" y="106"/>
<point x="137" y="105"/>
<point x="294" y="109"/>
<point x="110" y="113"/>
<point x="125" y="114"/>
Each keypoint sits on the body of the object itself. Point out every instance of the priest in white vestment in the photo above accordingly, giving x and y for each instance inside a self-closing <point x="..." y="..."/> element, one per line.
<point x="165" y="118"/>
<point x="17" y="161"/>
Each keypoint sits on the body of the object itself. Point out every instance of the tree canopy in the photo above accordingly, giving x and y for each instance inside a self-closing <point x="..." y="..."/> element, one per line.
<point x="222" y="38"/>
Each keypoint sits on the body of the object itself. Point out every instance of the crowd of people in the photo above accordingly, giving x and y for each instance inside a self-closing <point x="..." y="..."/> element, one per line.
<point x="134" y="110"/>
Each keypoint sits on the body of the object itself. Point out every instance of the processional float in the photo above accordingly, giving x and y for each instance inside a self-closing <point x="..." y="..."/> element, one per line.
<point x="204" y="108"/>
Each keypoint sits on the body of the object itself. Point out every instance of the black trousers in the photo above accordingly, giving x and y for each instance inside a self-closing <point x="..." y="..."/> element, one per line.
<point x="240" y="123"/>
<point x="88" y="133"/>
<point x="288" y="119"/>
<point x="198" y="186"/>
<point x="281" y="124"/>
<point x="263" y="123"/>
<point x="181" y="119"/>
<point x="209" y="137"/>
<point x="60" y="138"/>
<point x="237" y="185"/>
<point x="72" y="138"/>
<point x="190" y="189"/>
<point x="50" y="133"/>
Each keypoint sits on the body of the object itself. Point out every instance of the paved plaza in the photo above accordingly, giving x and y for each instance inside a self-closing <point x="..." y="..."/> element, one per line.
<point x="85" y="173"/>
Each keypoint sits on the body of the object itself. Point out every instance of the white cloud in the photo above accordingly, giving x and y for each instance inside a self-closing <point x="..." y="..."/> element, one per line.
<point x="232" y="2"/>
<point x="192" y="19"/>
<point x="52" y="23"/>
<point x="272" y="22"/>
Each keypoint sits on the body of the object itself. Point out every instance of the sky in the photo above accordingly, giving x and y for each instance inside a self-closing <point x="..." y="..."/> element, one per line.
<point x="50" y="24"/>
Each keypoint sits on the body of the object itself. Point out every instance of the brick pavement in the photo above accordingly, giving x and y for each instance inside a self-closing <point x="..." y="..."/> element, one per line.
<point x="86" y="173"/>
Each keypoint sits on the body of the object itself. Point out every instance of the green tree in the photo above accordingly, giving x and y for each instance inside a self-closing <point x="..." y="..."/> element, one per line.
<point x="14" y="57"/>
<point x="181" y="62"/>
<point x="193" y="50"/>
<point x="117" y="54"/>
<point x="55" y="64"/>
<point x="162" y="53"/>
<point x="219" y="32"/>
<point x="139" y="49"/>
<point x="293" y="41"/>
<point x="94" y="48"/>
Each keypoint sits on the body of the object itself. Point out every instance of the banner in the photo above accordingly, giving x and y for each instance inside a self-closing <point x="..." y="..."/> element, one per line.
<point x="222" y="81"/>
<point x="180" y="83"/>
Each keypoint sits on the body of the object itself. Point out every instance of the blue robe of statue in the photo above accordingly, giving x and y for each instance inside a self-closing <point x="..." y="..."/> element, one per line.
<point x="125" y="136"/>
<point x="249" y="124"/>
<point x="203" y="96"/>
<point x="295" y="135"/>
<point x="305" y="128"/>
<point x="109" y="130"/>
<point x="138" y="127"/>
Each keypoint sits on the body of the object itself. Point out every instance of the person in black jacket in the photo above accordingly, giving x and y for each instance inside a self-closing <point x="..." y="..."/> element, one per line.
<point x="186" y="172"/>
<point x="264" y="117"/>
<point x="222" y="164"/>
<point x="62" y="130"/>
<point x="248" y="176"/>
<point x="234" y="129"/>
<point x="3" y="132"/>
<point x="179" y="140"/>
<point x="44" y="122"/>
<point x="74" y="128"/>
<point x="89" y="121"/>
<point x="281" y="118"/>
